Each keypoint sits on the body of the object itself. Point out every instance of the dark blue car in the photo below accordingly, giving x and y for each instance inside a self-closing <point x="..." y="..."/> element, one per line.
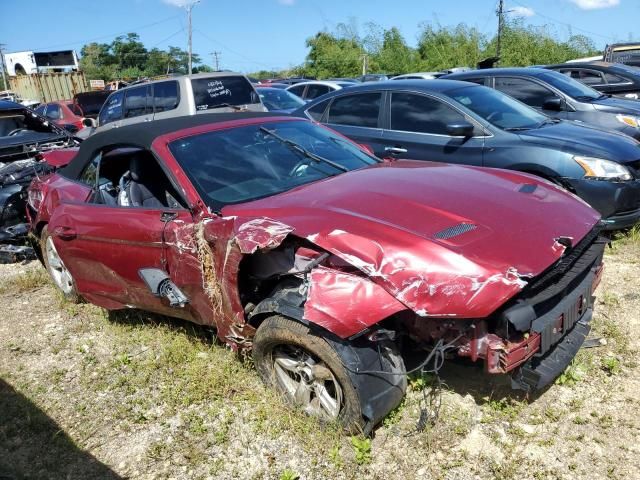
<point x="459" y="122"/>
<point x="560" y="96"/>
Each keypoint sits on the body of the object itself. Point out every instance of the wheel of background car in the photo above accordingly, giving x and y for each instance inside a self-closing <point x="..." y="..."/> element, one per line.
<point x="16" y="131"/>
<point x="61" y="277"/>
<point x="307" y="371"/>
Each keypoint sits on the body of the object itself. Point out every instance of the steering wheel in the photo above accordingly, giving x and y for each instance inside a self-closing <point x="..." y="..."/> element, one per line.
<point x="493" y="115"/>
<point x="16" y="131"/>
<point x="296" y="171"/>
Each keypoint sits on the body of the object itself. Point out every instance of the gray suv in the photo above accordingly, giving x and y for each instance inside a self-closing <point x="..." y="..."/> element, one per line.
<point x="218" y="92"/>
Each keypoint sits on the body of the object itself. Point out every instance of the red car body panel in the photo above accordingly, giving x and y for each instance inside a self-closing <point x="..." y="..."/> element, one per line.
<point x="393" y="212"/>
<point x="382" y="222"/>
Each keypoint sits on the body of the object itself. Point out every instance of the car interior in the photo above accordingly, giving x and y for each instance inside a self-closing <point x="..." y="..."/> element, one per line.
<point x="129" y="177"/>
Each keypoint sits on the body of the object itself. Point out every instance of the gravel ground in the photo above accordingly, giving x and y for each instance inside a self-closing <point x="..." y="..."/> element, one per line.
<point x="88" y="395"/>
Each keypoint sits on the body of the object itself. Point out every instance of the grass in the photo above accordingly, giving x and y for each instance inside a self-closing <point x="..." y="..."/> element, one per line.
<point x="23" y="282"/>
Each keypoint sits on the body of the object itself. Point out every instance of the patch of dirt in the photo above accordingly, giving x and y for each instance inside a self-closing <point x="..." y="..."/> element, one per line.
<point x="86" y="395"/>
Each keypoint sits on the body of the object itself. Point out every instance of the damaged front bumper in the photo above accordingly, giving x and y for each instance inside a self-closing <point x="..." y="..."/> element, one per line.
<point x="546" y="325"/>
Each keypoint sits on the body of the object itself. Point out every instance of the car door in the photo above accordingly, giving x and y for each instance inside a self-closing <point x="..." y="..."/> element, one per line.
<point x="417" y="129"/>
<point x="104" y="245"/>
<point x="137" y="105"/>
<point x="358" y="116"/>
<point x="620" y="86"/>
<point x="530" y="92"/>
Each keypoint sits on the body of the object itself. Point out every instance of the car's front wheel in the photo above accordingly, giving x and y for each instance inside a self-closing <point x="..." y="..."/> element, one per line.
<point x="57" y="270"/>
<point x="307" y="371"/>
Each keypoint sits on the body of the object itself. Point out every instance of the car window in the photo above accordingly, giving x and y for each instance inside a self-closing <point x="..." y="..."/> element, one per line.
<point x="215" y="92"/>
<point x="275" y="99"/>
<point x="421" y="114"/>
<point x="315" y="91"/>
<point x="165" y="96"/>
<point x="112" y="109"/>
<point x="297" y="90"/>
<point x="358" y="110"/>
<point x="53" y="112"/>
<point x="89" y="175"/>
<point x="75" y="109"/>
<point x="40" y="109"/>
<point x="591" y="77"/>
<point x="478" y="80"/>
<point x="317" y="111"/>
<point x="525" y="90"/>
<point x="497" y="108"/>
<point x="569" y="86"/>
<point x="135" y="101"/>
<point x="611" y="78"/>
<point x="256" y="161"/>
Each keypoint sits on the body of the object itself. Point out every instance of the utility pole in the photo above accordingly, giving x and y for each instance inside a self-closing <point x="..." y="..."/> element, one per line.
<point x="365" y="63"/>
<point x="189" y="7"/>
<point x="500" y="13"/>
<point x="4" y="69"/>
<point x="216" y="60"/>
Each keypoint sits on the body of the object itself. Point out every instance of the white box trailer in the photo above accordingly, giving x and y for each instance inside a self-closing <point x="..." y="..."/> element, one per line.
<point x="28" y="63"/>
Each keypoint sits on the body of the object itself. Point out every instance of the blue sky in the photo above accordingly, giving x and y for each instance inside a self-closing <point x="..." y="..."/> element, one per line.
<point x="257" y="34"/>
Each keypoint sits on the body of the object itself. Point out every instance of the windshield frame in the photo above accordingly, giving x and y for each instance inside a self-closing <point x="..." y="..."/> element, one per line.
<point x="325" y="171"/>
<point x="564" y="84"/>
<point x="451" y="95"/>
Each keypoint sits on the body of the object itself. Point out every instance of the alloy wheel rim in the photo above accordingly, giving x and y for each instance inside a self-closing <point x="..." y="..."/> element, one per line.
<point x="59" y="273"/>
<point x="307" y="382"/>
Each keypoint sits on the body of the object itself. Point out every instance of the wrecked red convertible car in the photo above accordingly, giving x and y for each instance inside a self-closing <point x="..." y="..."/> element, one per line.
<point x="326" y="262"/>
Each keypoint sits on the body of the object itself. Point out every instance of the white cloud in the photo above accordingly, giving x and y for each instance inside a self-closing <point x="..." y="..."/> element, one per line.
<point x="595" y="4"/>
<point x="288" y="3"/>
<point x="178" y="3"/>
<point x="520" y="11"/>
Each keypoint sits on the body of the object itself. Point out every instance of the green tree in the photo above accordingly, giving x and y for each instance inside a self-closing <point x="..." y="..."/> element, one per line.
<point x="394" y="55"/>
<point x="334" y="54"/>
<point x="446" y="47"/>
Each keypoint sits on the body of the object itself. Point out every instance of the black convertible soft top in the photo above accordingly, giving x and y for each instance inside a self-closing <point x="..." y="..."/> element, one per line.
<point x="143" y="134"/>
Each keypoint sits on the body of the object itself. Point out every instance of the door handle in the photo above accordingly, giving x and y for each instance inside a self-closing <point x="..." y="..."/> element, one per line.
<point x="395" y="150"/>
<point x="65" y="233"/>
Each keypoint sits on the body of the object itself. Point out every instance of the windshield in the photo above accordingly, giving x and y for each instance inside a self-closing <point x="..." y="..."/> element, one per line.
<point x="497" y="108"/>
<point x="275" y="99"/>
<point x="91" y="102"/>
<point x="571" y="87"/>
<point x="21" y="125"/>
<point x="247" y="163"/>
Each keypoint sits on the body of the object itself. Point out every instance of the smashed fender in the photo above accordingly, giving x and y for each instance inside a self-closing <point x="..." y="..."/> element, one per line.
<point x="260" y="234"/>
<point x="346" y="304"/>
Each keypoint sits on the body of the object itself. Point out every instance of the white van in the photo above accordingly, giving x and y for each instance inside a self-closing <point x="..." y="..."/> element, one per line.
<point x="219" y="92"/>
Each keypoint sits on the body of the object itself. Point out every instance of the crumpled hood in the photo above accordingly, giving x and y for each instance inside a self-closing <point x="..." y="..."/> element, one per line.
<point x="585" y="140"/>
<point x="444" y="240"/>
<point x="620" y="104"/>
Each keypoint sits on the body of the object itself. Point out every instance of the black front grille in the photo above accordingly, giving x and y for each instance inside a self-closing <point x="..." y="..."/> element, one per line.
<point x="545" y="292"/>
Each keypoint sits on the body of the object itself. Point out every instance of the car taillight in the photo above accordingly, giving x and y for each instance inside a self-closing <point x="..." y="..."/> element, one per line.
<point x="34" y="198"/>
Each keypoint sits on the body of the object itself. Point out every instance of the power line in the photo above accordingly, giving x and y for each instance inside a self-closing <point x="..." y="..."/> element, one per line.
<point x="106" y="36"/>
<point x="230" y="50"/>
<point x="569" y="25"/>
<point x="216" y="59"/>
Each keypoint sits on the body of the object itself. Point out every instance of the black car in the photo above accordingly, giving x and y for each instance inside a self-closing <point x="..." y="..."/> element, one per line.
<point x="458" y="122"/>
<point x="560" y="96"/>
<point x="24" y="135"/>
<point x="610" y="78"/>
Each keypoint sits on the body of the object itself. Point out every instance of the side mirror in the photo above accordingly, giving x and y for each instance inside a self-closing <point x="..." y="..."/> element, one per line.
<point x="555" y="103"/>
<point x="89" y="122"/>
<point x="460" y="129"/>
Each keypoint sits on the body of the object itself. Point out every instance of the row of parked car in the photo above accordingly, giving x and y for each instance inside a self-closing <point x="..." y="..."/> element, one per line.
<point x="309" y="240"/>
